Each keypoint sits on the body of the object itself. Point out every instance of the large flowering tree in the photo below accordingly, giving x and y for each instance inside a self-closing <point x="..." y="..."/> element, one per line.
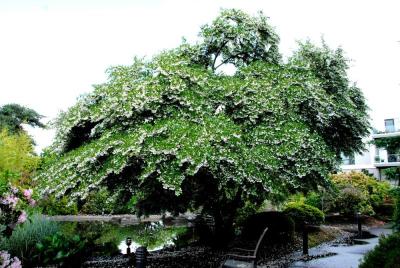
<point x="176" y="133"/>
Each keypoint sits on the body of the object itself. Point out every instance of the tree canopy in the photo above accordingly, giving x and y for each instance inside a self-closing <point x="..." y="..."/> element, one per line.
<point x="12" y="116"/>
<point x="16" y="153"/>
<point x="176" y="133"/>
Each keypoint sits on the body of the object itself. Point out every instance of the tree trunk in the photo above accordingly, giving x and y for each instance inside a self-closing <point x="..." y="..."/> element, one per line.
<point x="223" y="231"/>
<point x="224" y="218"/>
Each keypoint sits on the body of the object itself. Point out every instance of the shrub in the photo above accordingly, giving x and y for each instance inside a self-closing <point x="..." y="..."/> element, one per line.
<point x="371" y="191"/>
<point x="53" y="206"/>
<point x="314" y="199"/>
<point x="280" y="227"/>
<point x="322" y="199"/>
<point x="301" y="213"/>
<point x="385" y="255"/>
<point x="396" y="214"/>
<point x="351" y="200"/>
<point x="99" y="202"/>
<point x="23" y="240"/>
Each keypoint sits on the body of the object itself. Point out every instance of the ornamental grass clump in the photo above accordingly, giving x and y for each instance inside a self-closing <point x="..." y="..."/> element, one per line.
<point x="22" y="242"/>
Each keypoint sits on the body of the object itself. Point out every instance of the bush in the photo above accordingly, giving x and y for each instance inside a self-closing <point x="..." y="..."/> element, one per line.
<point x="385" y="255"/>
<point x="53" y="206"/>
<point x="359" y="186"/>
<point x="352" y="200"/>
<point x="322" y="199"/>
<point x="280" y="227"/>
<point x="24" y="238"/>
<point x="314" y="199"/>
<point x="100" y="202"/>
<point x="396" y="214"/>
<point x="301" y="213"/>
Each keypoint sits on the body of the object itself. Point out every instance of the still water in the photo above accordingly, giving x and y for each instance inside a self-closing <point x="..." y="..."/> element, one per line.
<point x="111" y="239"/>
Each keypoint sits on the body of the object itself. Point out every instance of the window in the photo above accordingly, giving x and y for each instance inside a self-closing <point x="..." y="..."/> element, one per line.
<point x="348" y="159"/>
<point x="389" y="125"/>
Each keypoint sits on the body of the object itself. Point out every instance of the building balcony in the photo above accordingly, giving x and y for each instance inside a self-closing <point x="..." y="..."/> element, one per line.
<point x="392" y="160"/>
<point x="386" y="134"/>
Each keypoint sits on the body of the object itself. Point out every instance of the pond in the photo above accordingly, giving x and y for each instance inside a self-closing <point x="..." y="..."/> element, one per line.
<point x="109" y="239"/>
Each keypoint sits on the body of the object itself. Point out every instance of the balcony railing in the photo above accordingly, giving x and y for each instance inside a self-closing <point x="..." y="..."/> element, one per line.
<point x="387" y="130"/>
<point x="391" y="158"/>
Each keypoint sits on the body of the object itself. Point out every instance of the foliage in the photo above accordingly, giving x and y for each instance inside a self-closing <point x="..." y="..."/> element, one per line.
<point x="178" y="135"/>
<point x="61" y="206"/>
<point x="100" y="202"/>
<point x="358" y="191"/>
<point x="13" y="205"/>
<point x="60" y="249"/>
<point x="393" y="173"/>
<point x="23" y="240"/>
<point x="12" y="116"/>
<point x="236" y="38"/>
<point x="391" y="144"/>
<point x="17" y="162"/>
<point x="385" y="255"/>
<point x="349" y="193"/>
<point x="16" y="154"/>
<point x="323" y="198"/>
<point x="314" y="199"/>
<point x="302" y="213"/>
<point x="396" y="215"/>
<point x="351" y="200"/>
<point x="343" y="134"/>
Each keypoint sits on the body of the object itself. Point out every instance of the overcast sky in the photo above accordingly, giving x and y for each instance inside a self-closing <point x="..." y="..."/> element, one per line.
<point x="53" y="51"/>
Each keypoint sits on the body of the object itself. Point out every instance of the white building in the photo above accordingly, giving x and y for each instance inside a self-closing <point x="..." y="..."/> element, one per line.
<point x="374" y="160"/>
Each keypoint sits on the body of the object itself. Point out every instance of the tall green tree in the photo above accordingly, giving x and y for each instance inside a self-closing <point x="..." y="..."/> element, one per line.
<point x="16" y="153"/>
<point x="175" y="133"/>
<point x="12" y="116"/>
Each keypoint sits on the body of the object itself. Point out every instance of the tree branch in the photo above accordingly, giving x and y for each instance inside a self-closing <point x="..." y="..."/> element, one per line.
<point x="217" y="54"/>
<point x="225" y="61"/>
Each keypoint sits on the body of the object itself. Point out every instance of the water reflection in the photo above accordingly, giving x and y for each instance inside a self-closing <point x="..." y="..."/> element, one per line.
<point x="110" y="239"/>
<point x="154" y="236"/>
